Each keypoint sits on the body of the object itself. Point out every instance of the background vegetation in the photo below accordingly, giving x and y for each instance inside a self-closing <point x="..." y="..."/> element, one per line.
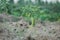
<point x="26" y="8"/>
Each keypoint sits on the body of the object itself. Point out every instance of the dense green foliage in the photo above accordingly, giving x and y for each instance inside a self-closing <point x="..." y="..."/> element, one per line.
<point x="28" y="9"/>
<point x="2" y="5"/>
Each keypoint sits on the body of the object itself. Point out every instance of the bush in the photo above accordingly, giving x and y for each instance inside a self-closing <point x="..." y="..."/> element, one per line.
<point x="31" y="11"/>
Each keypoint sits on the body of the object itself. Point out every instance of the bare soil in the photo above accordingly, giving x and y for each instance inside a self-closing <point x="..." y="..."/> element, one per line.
<point x="21" y="30"/>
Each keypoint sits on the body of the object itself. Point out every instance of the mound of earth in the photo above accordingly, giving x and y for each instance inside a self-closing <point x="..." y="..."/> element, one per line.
<point x="21" y="30"/>
<point x="8" y="18"/>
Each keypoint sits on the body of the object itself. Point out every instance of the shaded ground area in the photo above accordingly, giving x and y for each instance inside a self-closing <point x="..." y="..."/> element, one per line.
<point x="21" y="30"/>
